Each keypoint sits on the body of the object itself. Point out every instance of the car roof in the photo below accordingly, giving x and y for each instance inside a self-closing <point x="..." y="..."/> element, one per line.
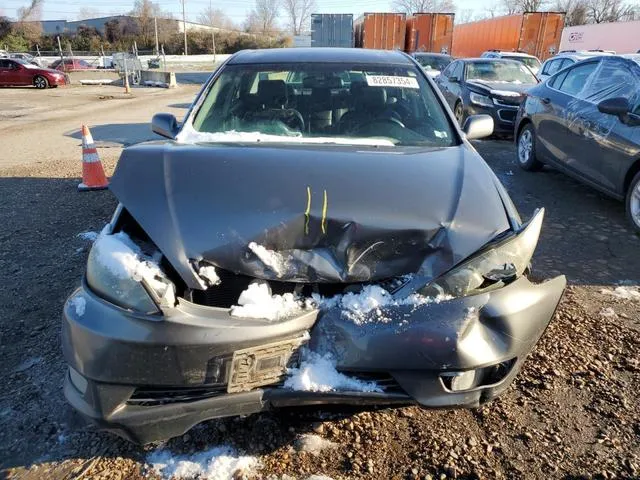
<point x="489" y="59"/>
<point x="511" y="54"/>
<point x="319" y="55"/>
<point x="430" y="54"/>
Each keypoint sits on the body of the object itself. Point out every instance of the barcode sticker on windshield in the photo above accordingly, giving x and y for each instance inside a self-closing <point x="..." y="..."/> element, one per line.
<point x="391" y="81"/>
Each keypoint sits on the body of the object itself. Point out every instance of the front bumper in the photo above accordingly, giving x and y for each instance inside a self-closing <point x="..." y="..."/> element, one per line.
<point x="503" y="117"/>
<point x="115" y="354"/>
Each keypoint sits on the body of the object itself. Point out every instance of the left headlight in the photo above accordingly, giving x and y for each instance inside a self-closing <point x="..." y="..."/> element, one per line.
<point x="490" y="268"/>
<point x="482" y="100"/>
<point x="118" y="271"/>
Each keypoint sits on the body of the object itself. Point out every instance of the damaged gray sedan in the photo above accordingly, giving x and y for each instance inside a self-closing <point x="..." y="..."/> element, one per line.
<point x="317" y="230"/>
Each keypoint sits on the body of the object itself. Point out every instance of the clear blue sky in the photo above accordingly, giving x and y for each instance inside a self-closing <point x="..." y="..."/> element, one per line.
<point x="236" y="9"/>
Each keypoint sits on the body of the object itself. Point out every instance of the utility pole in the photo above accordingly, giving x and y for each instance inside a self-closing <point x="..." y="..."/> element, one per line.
<point x="155" y="25"/>
<point x="213" y="34"/>
<point x="184" y="27"/>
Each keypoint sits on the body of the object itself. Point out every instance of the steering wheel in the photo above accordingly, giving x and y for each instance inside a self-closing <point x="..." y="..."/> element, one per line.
<point x="292" y="118"/>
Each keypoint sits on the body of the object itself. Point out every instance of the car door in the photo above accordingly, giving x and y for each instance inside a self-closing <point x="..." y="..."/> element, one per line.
<point x="558" y="132"/>
<point x="451" y="83"/>
<point x="5" y="72"/>
<point x="610" y="145"/>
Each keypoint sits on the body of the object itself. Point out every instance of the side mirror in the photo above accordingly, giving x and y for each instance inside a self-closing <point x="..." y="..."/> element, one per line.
<point x="478" y="126"/>
<point x="618" y="106"/>
<point x="165" y="124"/>
<point x="453" y="79"/>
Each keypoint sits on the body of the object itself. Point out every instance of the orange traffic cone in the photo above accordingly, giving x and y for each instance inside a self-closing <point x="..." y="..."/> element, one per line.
<point x="93" y="177"/>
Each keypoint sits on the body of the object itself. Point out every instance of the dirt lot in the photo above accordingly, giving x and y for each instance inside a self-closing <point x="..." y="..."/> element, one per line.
<point x="574" y="412"/>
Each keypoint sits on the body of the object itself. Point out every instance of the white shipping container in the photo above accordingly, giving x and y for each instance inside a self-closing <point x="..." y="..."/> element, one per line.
<point x="622" y="37"/>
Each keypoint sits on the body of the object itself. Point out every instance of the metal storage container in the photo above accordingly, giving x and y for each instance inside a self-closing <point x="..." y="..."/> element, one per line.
<point x="332" y="30"/>
<point x="385" y="31"/>
<point x="430" y="32"/>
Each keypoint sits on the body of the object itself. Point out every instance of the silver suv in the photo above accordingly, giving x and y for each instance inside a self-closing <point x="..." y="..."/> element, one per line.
<point x="565" y="59"/>
<point x="529" y="60"/>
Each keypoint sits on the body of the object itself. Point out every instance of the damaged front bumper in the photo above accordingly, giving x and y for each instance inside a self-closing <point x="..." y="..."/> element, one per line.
<point x="148" y="380"/>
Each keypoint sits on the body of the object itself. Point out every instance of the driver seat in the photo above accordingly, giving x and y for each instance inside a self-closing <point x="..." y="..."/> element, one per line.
<point x="370" y="103"/>
<point x="272" y="94"/>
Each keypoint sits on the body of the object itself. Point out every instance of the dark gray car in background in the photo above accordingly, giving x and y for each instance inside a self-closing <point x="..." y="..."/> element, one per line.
<point x="488" y="86"/>
<point x="585" y="120"/>
<point x="344" y="215"/>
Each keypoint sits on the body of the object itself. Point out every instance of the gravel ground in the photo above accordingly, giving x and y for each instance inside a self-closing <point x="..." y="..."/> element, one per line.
<point x="573" y="412"/>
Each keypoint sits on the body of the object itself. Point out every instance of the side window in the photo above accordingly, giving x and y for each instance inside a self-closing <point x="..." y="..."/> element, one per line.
<point x="577" y="79"/>
<point x="553" y="66"/>
<point x="613" y="79"/>
<point x="567" y="62"/>
<point x="4" y="65"/>
<point x="447" y="71"/>
<point x="457" y="70"/>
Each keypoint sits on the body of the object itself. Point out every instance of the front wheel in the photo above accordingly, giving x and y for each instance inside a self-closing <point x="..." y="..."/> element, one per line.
<point x="40" y="82"/>
<point x="633" y="203"/>
<point x="527" y="149"/>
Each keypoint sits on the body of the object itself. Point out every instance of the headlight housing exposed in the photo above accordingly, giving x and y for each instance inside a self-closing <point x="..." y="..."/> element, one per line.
<point x="482" y="100"/>
<point x="492" y="267"/>
<point x="118" y="271"/>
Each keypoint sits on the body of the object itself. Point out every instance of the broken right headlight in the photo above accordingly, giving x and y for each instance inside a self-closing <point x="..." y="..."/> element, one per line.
<point x="492" y="267"/>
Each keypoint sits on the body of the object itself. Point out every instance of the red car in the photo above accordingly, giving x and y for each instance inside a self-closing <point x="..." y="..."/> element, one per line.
<point x="71" y="64"/>
<point x="19" y="72"/>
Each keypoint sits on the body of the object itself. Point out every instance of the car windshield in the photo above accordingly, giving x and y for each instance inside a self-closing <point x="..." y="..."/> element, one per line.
<point x="324" y="103"/>
<point x="532" y="63"/>
<point x="501" y="72"/>
<point x="433" y="62"/>
<point x="24" y="63"/>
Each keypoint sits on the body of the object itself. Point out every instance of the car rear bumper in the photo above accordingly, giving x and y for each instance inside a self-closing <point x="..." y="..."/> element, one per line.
<point x="149" y="380"/>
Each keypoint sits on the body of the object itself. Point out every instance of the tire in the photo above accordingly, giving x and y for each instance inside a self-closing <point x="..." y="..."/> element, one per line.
<point x="526" y="149"/>
<point x="458" y="112"/>
<point x="632" y="203"/>
<point x="40" y="82"/>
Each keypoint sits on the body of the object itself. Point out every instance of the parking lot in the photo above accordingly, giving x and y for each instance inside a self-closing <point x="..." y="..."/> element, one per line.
<point x="574" y="411"/>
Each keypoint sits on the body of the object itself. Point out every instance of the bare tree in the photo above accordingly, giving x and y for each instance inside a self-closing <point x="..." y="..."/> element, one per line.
<point x="517" y="6"/>
<point x="145" y="11"/>
<point x="423" y="6"/>
<point x="600" y="11"/>
<point x="216" y="18"/>
<point x="576" y="11"/>
<point x="299" y="13"/>
<point x="87" y="12"/>
<point x="28" y="25"/>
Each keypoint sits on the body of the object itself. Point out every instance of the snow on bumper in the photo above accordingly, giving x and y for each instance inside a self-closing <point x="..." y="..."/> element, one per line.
<point x="116" y="352"/>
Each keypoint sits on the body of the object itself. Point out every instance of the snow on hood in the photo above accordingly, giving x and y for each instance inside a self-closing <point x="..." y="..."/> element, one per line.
<point x="189" y="135"/>
<point x="310" y="213"/>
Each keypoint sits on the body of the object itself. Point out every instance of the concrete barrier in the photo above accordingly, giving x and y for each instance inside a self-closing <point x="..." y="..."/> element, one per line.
<point x="157" y="78"/>
<point x="89" y="77"/>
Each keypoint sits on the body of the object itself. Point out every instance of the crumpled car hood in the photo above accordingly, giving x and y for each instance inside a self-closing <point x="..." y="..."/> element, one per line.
<point x="331" y="213"/>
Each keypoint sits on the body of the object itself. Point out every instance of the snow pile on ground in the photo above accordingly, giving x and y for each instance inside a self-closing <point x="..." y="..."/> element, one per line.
<point x="79" y="304"/>
<point x="271" y="259"/>
<point x="90" y="236"/>
<point x="624" y="292"/>
<point x="124" y="259"/>
<point x="218" y="463"/>
<point x="608" y="312"/>
<point x="317" y="373"/>
<point x="314" y="444"/>
<point x="372" y="298"/>
<point x="257" y="302"/>
<point x="209" y="275"/>
<point x="189" y="135"/>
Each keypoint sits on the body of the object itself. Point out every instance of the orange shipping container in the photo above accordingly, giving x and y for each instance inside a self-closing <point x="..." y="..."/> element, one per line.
<point x="535" y="33"/>
<point x="429" y="32"/>
<point x="384" y="31"/>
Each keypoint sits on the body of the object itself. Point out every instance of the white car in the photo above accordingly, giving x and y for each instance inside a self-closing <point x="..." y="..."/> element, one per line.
<point x="27" y="58"/>
<point x="529" y="60"/>
<point x="565" y="59"/>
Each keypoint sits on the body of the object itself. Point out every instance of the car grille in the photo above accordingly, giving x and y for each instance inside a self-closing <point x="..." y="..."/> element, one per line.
<point x="152" y="396"/>
<point x="226" y="293"/>
<point x="385" y="381"/>
<point x="507" y="115"/>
